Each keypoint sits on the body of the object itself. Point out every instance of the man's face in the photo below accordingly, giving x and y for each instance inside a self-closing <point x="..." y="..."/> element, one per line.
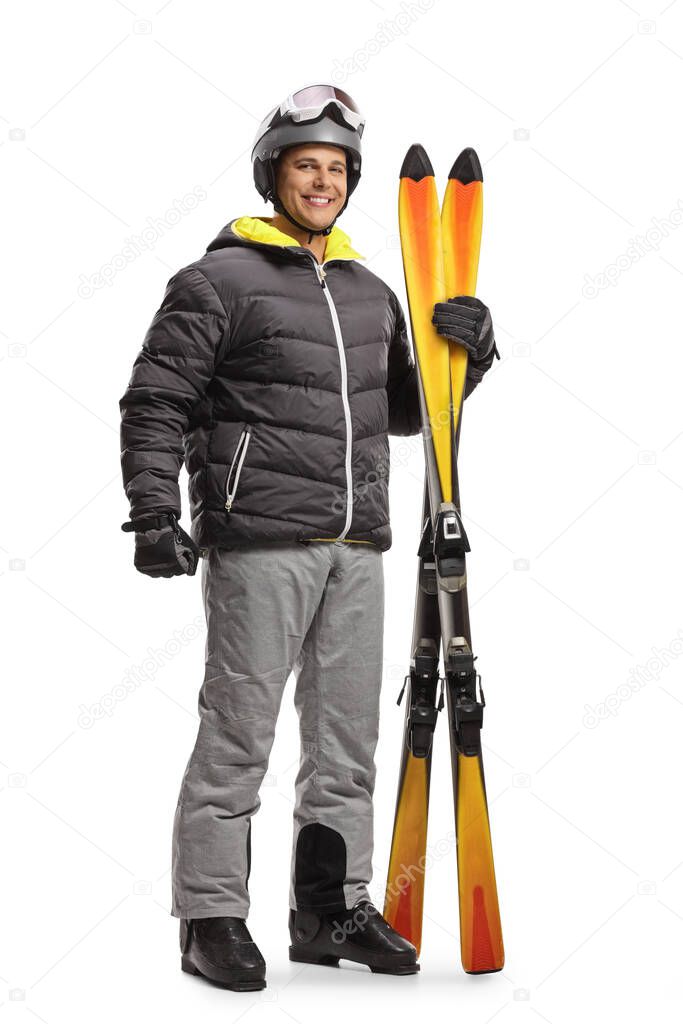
<point x="311" y="182"/>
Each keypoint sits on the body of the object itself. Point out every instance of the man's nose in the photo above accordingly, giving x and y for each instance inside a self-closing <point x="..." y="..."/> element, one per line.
<point x="322" y="179"/>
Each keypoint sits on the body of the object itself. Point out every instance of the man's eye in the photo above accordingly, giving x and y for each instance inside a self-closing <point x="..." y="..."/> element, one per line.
<point x="305" y="167"/>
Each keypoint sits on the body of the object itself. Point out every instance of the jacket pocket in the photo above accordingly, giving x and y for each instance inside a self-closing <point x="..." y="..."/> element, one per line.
<point x="233" y="479"/>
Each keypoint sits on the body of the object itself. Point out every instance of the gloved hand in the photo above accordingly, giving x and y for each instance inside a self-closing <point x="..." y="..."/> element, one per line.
<point x="467" y="320"/>
<point x="162" y="548"/>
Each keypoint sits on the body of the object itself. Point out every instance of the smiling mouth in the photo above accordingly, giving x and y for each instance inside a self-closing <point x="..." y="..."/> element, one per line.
<point x="318" y="201"/>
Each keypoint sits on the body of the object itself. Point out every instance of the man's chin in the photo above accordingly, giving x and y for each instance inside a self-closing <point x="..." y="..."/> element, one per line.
<point x="321" y="220"/>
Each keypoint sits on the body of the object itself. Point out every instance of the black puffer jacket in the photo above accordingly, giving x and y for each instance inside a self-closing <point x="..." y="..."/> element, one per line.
<point x="277" y="383"/>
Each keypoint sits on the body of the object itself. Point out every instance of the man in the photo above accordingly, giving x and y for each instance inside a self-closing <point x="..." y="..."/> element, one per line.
<point x="275" y="367"/>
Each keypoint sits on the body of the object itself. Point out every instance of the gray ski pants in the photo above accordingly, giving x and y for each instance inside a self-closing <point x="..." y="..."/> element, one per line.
<point x="316" y="609"/>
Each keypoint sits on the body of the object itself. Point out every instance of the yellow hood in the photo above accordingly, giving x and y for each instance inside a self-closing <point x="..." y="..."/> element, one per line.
<point x="260" y="229"/>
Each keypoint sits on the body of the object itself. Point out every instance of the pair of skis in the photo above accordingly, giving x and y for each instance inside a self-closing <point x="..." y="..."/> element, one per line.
<point x="440" y="248"/>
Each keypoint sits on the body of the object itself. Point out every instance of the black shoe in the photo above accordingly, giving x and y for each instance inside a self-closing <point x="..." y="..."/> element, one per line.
<point x="222" y="950"/>
<point x="360" y="934"/>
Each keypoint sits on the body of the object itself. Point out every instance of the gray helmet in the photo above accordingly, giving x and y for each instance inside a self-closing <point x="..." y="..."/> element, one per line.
<point x="317" y="113"/>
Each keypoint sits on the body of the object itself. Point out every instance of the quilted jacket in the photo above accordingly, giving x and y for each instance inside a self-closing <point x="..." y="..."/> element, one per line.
<point x="276" y="380"/>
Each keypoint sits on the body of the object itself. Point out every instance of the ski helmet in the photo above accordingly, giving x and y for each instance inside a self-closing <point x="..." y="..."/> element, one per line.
<point x="316" y="113"/>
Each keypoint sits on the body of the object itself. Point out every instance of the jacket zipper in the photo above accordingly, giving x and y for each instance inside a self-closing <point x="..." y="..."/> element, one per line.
<point x="240" y="450"/>
<point x="345" y="395"/>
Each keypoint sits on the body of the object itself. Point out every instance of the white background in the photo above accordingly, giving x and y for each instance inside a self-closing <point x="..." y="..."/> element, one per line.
<point x="571" y="480"/>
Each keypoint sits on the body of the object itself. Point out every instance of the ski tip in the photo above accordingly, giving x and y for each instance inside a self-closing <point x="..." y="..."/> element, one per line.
<point x="467" y="167"/>
<point x="416" y="164"/>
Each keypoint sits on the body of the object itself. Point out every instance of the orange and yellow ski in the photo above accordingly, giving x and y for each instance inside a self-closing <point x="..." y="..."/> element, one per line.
<point x="481" y="937"/>
<point x="440" y="257"/>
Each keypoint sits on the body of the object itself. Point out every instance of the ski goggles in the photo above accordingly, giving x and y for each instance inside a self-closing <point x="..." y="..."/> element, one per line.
<point x="309" y="103"/>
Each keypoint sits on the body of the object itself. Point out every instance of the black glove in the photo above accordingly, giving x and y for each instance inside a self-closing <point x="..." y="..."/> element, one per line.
<point x="467" y="320"/>
<point x="162" y="548"/>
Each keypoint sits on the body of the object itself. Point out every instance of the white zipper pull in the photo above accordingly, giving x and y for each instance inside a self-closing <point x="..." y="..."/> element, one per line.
<point x="319" y="271"/>
<point x="243" y="445"/>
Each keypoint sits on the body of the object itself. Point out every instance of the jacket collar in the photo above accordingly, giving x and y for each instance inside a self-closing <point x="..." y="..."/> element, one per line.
<point x="260" y="230"/>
